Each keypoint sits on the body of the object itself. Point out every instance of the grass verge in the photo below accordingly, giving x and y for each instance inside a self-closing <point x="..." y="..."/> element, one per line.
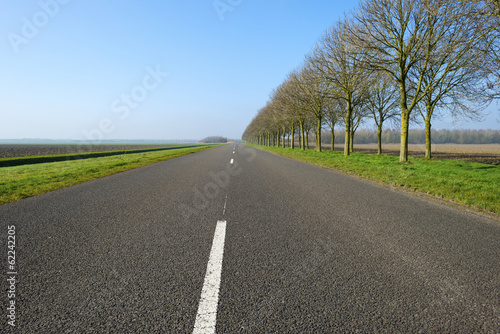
<point x="472" y="184"/>
<point x="30" y="180"/>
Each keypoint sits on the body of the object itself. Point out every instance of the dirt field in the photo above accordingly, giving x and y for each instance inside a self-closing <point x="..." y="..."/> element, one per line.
<point x="487" y="153"/>
<point x="21" y="150"/>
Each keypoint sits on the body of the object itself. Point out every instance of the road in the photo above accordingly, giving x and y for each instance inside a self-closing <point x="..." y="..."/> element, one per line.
<point x="241" y="240"/>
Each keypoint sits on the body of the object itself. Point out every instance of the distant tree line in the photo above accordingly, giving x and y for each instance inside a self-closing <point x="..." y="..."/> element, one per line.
<point x="397" y="61"/>
<point x="214" y="140"/>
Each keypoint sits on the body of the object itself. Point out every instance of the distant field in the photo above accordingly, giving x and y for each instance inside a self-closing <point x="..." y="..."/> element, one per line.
<point x="485" y="153"/>
<point x="24" y="150"/>
<point x="31" y="179"/>
<point x="38" y="159"/>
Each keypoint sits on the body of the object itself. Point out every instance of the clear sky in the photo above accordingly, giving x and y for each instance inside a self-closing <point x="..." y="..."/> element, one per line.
<point x="87" y="69"/>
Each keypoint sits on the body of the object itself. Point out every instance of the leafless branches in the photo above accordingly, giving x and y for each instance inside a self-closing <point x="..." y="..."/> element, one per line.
<point x="425" y="55"/>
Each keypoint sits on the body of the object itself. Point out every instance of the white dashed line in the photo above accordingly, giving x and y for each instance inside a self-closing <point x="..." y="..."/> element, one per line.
<point x="232" y="161"/>
<point x="225" y="204"/>
<point x="206" y="317"/>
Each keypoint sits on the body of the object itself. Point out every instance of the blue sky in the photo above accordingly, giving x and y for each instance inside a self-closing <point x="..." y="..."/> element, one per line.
<point x="74" y="69"/>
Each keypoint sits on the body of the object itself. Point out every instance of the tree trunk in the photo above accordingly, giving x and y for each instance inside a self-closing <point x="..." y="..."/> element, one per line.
<point x="333" y="139"/>
<point x="292" y="142"/>
<point x="352" y="140"/>
<point x="428" y="151"/>
<point x="405" y="123"/>
<point x="318" y="135"/>
<point x="284" y="136"/>
<point x="379" y="138"/>
<point x="307" y="139"/>
<point x="302" y="141"/>
<point x="347" y="129"/>
<point x="403" y="154"/>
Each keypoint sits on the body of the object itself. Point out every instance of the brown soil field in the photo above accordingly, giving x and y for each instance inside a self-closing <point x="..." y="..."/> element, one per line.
<point x="22" y="150"/>
<point x="485" y="153"/>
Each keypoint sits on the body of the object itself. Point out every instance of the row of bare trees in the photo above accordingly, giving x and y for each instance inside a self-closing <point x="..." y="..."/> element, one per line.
<point x="389" y="60"/>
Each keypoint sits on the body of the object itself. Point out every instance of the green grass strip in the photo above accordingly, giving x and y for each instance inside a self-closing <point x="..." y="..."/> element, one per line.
<point x="30" y="180"/>
<point x="473" y="184"/>
<point x="39" y="159"/>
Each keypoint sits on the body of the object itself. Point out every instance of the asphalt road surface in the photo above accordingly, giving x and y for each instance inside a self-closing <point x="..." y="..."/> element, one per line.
<point x="235" y="239"/>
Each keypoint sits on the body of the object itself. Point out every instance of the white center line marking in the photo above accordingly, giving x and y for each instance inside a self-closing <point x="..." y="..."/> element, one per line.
<point x="225" y="203"/>
<point x="232" y="161"/>
<point x="206" y="317"/>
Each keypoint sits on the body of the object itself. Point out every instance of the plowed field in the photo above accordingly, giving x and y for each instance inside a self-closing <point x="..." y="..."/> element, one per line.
<point x="22" y="150"/>
<point x="486" y="153"/>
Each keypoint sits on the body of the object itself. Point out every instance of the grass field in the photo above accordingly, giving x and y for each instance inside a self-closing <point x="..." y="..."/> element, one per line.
<point x="34" y="179"/>
<point x="472" y="184"/>
<point x="36" y="159"/>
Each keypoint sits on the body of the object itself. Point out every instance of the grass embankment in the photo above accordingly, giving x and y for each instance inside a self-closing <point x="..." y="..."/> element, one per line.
<point x="30" y="180"/>
<point x="473" y="184"/>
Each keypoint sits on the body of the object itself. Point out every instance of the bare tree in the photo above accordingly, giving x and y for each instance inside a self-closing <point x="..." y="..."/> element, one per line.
<point x="281" y="118"/>
<point x="333" y="116"/>
<point x="488" y="11"/>
<point x="340" y="64"/>
<point x="317" y="95"/>
<point x="268" y="125"/>
<point x="296" y="102"/>
<point x="382" y="103"/>
<point x="453" y="77"/>
<point x="357" y="118"/>
<point x="259" y="130"/>
<point x="288" y="109"/>
<point x="309" y="124"/>
<point x="393" y="35"/>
